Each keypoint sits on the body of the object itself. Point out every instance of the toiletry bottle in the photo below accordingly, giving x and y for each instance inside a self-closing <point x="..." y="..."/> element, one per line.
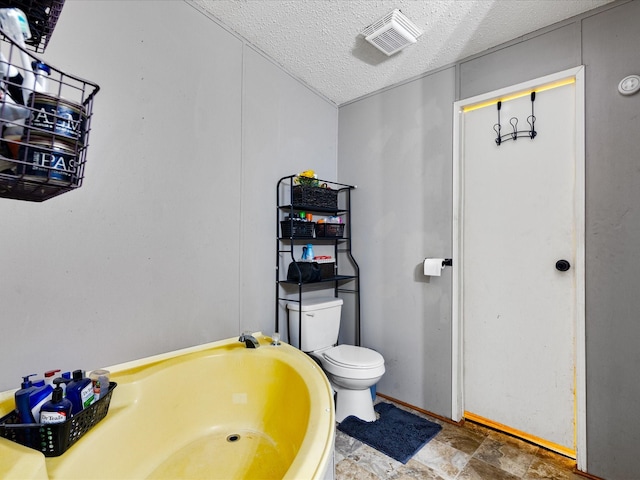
<point x="58" y="409"/>
<point x="67" y="377"/>
<point x="13" y="79"/>
<point x="42" y="72"/>
<point x="307" y="253"/>
<point x="39" y="396"/>
<point x="80" y="392"/>
<point x="16" y="27"/>
<point x="22" y="400"/>
<point x="100" y="381"/>
<point x="50" y="376"/>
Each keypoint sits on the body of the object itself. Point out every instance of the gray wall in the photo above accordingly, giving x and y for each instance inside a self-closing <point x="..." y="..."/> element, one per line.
<point x="175" y="221"/>
<point x="610" y="52"/>
<point x="396" y="145"/>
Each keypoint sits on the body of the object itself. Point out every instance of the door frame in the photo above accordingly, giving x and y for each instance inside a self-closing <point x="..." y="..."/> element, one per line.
<point x="457" y="360"/>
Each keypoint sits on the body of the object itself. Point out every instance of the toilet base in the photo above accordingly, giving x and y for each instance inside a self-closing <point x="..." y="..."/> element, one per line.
<point x="354" y="402"/>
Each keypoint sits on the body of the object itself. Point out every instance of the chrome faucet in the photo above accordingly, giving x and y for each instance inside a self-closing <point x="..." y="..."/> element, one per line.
<point x="249" y="340"/>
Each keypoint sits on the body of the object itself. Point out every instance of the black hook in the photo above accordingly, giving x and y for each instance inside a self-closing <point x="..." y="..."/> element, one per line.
<point x="513" y="135"/>
<point x="514" y="127"/>
<point x="531" y="120"/>
<point x="497" y="127"/>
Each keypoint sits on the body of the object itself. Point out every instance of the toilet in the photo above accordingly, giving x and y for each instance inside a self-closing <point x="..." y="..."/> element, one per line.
<point x="351" y="370"/>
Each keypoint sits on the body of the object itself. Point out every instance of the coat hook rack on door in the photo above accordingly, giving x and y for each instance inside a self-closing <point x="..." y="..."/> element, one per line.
<point x="513" y="135"/>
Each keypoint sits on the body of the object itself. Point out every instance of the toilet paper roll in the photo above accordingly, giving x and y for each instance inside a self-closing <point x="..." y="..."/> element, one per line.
<point x="433" y="266"/>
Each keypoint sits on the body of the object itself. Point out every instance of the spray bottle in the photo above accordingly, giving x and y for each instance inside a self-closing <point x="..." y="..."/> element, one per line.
<point x="15" y="25"/>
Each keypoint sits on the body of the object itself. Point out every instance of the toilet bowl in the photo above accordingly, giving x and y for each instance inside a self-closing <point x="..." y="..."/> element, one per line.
<point x="351" y="370"/>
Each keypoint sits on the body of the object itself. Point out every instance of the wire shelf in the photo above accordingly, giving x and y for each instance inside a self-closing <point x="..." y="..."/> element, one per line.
<point x="45" y="115"/>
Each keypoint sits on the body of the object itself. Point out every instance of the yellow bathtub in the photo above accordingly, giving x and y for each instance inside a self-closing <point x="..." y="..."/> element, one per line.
<point x="219" y="410"/>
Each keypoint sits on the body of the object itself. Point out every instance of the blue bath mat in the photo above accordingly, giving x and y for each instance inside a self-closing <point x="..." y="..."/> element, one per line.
<point x="396" y="433"/>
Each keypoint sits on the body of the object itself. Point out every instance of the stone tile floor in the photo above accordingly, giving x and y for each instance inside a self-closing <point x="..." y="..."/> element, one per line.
<point x="470" y="452"/>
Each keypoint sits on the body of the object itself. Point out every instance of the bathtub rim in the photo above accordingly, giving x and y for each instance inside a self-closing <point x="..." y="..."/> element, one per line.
<point x="316" y="452"/>
<point x="305" y="465"/>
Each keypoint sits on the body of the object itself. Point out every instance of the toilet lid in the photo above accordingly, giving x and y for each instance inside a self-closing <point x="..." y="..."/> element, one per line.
<point x="354" y="357"/>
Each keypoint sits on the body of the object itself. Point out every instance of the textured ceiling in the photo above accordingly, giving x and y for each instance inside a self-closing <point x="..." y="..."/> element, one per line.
<point x="319" y="41"/>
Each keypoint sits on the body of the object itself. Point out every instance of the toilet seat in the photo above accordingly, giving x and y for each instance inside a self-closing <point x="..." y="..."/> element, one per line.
<point x="352" y="363"/>
<point x="350" y="356"/>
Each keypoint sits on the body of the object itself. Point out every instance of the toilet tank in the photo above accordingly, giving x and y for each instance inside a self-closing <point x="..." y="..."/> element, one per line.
<point x="320" y="323"/>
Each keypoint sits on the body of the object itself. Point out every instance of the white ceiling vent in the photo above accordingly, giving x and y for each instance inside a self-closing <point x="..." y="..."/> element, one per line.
<point x="392" y="32"/>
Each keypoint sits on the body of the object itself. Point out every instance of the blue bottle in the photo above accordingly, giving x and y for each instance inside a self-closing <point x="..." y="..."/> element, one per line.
<point x="66" y="376"/>
<point x="80" y="392"/>
<point x="307" y="253"/>
<point x="29" y="400"/>
<point x="22" y="400"/>
<point x="38" y="398"/>
<point x="58" y="409"/>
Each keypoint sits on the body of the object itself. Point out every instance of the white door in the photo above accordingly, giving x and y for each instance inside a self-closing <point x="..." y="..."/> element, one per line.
<point x="518" y="305"/>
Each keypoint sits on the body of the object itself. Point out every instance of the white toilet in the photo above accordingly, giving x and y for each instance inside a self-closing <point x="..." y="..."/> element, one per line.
<point x="351" y="370"/>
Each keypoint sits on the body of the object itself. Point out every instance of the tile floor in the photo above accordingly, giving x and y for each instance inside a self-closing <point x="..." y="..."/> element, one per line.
<point x="470" y="452"/>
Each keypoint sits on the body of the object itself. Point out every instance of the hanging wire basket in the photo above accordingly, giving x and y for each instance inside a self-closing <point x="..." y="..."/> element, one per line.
<point x="45" y="116"/>
<point x="42" y="17"/>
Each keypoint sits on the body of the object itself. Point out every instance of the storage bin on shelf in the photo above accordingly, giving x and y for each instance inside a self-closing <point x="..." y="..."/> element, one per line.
<point x="297" y="229"/>
<point x="327" y="266"/>
<point x="335" y="230"/>
<point x="310" y="196"/>
<point x="46" y="122"/>
<point x="55" y="438"/>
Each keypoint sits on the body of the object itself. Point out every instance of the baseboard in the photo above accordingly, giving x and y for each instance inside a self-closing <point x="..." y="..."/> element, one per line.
<point x="562" y="450"/>
<point x="586" y="475"/>
<point x="421" y="410"/>
<point x="460" y="423"/>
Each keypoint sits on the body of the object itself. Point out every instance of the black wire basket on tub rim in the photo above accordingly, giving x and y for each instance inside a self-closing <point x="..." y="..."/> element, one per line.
<point x="55" y="438"/>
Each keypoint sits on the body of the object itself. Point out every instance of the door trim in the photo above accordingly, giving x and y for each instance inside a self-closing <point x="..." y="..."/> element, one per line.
<point x="457" y="373"/>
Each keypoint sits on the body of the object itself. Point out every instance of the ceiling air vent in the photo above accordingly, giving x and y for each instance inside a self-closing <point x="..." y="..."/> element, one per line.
<point x="392" y="33"/>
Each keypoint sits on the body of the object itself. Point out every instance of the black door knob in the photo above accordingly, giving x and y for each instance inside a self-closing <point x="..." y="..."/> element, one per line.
<point x="563" y="265"/>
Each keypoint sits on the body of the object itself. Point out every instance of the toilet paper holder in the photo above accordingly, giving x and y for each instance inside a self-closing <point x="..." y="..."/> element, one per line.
<point x="446" y="262"/>
<point x="433" y="267"/>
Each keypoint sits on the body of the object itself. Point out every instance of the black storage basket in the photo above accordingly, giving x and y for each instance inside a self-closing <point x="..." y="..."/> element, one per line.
<point x="300" y="229"/>
<point x="327" y="270"/>
<point x="308" y="196"/>
<point x="54" y="439"/>
<point x="335" y="230"/>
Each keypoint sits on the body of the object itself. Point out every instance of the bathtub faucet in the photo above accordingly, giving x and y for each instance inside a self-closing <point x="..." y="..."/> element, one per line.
<point x="249" y="340"/>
